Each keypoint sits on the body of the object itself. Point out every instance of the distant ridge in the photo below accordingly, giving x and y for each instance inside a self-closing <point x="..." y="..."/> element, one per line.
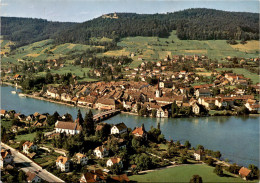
<point x="195" y="24"/>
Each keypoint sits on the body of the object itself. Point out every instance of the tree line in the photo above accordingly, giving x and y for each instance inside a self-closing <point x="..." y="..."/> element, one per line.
<point x="197" y="24"/>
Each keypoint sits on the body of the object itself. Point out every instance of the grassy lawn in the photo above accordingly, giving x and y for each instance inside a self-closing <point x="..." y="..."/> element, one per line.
<point x="253" y="76"/>
<point x="28" y="137"/>
<point x="6" y="123"/>
<point x="184" y="174"/>
<point x="46" y="159"/>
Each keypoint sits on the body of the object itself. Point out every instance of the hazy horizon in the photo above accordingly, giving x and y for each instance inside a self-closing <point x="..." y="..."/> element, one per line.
<point x="83" y="10"/>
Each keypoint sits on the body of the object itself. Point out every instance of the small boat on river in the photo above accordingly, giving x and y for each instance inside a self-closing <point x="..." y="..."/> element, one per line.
<point x="21" y="95"/>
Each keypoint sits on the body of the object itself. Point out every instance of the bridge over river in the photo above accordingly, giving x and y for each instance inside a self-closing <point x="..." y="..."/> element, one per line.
<point x="105" y="115"/>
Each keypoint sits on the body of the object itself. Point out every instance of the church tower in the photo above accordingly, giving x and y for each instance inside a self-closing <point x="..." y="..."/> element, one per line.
<point x="158" y="92"/>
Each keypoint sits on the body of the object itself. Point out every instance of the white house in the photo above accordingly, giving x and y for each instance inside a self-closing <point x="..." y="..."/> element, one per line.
<point x="32" y="177"/>
<point x="199" y="154"/>
<point x="70" y="128"/>
<point x="101" y="152"/>
<point x="162" y="113"/>
<point x="29" y="146"/>
<point x="81" y="159"/>
<point x="63" y="163"/>
<point x="6" y="157"/>
<point x="195" y="108"/>
<point x="113" y="161"/>
<point x="119" y="128"/>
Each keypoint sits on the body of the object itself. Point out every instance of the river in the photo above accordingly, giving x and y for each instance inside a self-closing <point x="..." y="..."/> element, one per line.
<point x="237" y="138"/>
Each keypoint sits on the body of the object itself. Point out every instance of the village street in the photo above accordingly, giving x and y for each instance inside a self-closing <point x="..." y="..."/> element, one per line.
<point x="29" y="165"/>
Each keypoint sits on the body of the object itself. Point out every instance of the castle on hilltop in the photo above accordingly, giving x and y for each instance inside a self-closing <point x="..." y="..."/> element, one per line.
<point x="110" y="16"/>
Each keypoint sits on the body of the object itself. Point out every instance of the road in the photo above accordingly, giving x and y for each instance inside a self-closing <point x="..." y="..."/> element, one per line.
<point x="29" y="165"/>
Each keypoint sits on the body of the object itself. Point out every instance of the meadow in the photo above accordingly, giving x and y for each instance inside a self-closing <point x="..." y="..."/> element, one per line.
<point x="184" y="174"/>
<point x="253" y="76"/>
<point x="28" y="137"/>
<point x="154" y="49"/>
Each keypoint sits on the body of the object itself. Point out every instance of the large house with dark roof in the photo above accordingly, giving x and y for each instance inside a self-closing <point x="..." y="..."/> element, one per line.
<point x="119" y="128"/>
<point x="70" y="128"/>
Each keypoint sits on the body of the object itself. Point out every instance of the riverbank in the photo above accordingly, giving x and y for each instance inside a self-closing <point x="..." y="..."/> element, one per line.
<point x="10" y="84"/>
<point x="124" y="112"/>
<point x="235" y="131"/>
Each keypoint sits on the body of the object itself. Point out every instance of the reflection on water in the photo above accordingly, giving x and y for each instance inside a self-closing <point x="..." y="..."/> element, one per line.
<point x="236" y="137"/>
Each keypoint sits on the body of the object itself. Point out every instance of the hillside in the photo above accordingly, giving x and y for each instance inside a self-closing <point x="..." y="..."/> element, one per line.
<point x="28" y="30"/>
<point x="191" y="24"/>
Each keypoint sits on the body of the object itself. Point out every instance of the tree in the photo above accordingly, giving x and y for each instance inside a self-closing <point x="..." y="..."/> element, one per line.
<point x="187" y="144"/>
<point x="80" y="119"/>
<point x="154" y="112"/>
<point x="89" y="122"/>
<point x="254" y="171"/>
<point x="21" y="176"/>
<point x="210" y="161"/>
<point x="115" y="168"/>
<point x="4" y="136"/>
<point x="135" y="143"/>
<point x="183" y="160"/>
<point x="217" y="154"/>
<point x="196" y="179"/>
<point x="243" y="111"/>
<point x="49" y="78"/>
<point x="200" y="147"/>
<point x="218" y="170"/>
<point x="143" y="161"/>
<point x="175" y="109"/>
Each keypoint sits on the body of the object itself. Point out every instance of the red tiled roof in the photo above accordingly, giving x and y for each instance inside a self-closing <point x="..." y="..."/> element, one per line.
<point x="244" y="172"/>
<point x="115" y="160"/>
<point x="28" y="143"/>
<point x="3" y="111"/>
<point x="139" y="131"/>
<point x="62" y="159"/>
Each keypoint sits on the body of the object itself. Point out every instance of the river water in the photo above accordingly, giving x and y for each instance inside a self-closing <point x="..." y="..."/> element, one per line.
<point x="237" y="138"/>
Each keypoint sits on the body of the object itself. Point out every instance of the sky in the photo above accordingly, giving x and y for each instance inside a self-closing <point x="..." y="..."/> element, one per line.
<point x="83" y="10"/>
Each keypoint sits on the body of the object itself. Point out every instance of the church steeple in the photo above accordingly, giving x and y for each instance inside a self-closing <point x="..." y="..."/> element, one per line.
<point x="158" y="91"/>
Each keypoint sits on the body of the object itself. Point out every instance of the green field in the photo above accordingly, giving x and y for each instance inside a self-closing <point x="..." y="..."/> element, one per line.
<point x="44" y="50"/>
<point x="44" y="160"/>
<point x="153" y="48"/>
<point x="28" y="137"/>
<point x="184" y="174"/>
<point x="75" y="70"/>
<point x="6" y="123"/>
<point x="253" y="76"/>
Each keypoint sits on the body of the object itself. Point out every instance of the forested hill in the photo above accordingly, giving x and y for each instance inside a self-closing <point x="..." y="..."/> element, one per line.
<point x="198" y="24"/>
<point x="29" y="30"/>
